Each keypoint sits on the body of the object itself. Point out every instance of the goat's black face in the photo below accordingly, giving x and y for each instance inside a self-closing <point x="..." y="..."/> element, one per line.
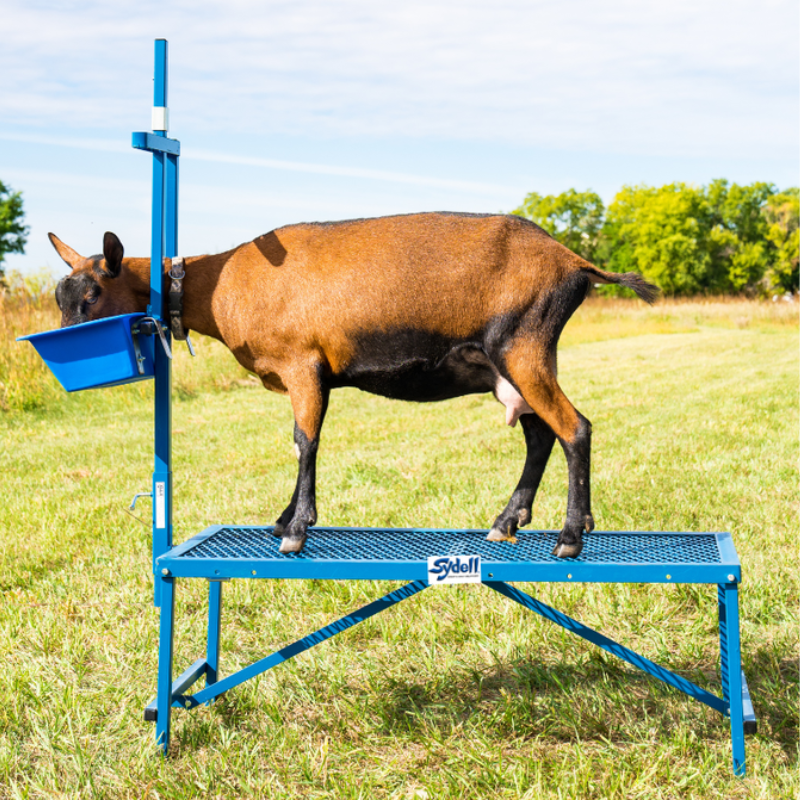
<point x="88" y="292"/>
<point x="75" y="295"/>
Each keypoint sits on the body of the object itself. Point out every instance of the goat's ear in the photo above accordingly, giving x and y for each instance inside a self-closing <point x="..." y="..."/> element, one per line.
<point x="65" y="251"/>
<point x="112" y="252"/>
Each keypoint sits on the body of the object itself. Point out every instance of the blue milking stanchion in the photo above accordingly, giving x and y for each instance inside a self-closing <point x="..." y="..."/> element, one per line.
<point x="416" y="557"/>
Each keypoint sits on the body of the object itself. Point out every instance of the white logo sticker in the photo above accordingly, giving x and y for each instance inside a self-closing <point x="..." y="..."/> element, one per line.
<point x="453" y="569"/>
<point x="161" y="505"/>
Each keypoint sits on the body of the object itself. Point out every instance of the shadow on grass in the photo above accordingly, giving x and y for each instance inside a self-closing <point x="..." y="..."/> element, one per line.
<point x="565" y="703"/>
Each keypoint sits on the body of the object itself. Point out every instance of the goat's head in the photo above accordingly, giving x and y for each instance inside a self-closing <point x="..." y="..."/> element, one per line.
<point x="98" y="286"/>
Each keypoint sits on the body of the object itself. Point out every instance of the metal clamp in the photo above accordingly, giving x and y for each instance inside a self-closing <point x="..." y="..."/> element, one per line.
<point x="149" y="326"/>
<point x="137" y="350"/>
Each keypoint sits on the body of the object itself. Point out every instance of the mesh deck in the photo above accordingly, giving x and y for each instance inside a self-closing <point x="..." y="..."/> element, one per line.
<point x="376" y="544"/>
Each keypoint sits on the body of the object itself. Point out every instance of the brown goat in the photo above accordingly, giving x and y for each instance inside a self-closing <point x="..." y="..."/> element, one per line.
<point x="421" y="307"/>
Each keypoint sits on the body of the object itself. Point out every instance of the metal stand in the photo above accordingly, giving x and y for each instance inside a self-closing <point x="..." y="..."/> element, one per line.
<point x="225" y="552"/>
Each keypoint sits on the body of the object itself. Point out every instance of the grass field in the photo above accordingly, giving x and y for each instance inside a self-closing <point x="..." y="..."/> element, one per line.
<point x="456" y="693"/>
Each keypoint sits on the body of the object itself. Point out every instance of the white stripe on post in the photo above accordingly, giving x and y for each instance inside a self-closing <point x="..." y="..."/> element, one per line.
<point x="160" y="118"/>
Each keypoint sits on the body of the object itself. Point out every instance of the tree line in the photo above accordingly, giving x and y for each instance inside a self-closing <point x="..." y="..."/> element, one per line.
<point x="717" y="239"/>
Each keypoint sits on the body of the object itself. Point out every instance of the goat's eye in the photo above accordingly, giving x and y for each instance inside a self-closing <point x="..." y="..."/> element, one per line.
<point x="92" y="298"/>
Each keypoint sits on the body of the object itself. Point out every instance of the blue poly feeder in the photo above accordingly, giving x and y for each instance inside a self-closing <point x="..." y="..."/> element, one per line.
<point x="104" y="352"/>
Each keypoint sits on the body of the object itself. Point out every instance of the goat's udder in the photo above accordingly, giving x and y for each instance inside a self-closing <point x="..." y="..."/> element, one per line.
<point x="513" y="401"/>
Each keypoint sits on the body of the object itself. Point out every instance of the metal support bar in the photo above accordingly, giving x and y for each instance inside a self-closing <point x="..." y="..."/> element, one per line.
<point x="731" y="668"/>
<point x="750" y="722"/>
<point x="166" y="592"/>
<point x="155" y="143"/>
<point x="214" y="617"/>
<point x="300" y="646"/>
<point x="610" y="646"/>
<point x="171" y="206"/>
<point x="179" y="686"/>
<point x="164" y="236"/>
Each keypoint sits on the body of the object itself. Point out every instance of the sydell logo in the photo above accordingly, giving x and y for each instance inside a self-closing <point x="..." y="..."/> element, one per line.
<point x="453" y="569"/>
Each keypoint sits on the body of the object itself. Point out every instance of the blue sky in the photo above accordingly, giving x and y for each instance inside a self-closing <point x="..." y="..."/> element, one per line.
<point x="311" y="110"/>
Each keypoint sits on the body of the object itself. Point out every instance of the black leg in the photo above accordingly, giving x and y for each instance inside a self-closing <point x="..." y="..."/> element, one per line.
<point x="310" y="401"/>
<point x="539" y="440"/>
<point x="579" y="514"/>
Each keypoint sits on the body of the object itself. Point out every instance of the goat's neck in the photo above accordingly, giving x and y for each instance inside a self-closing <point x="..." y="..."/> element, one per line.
<point x="202" y="273"/>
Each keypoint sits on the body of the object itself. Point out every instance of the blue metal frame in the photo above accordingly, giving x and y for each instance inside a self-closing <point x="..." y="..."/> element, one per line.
<point x="224" y="552"/>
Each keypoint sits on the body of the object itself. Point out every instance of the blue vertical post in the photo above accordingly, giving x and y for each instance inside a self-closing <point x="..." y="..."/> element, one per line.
<point x="731" y="668"/>
<point x="165" y="642"/>
<point x="164" y="237"/>
<point x="165" y="194"/>
<point x="164" y="241"/>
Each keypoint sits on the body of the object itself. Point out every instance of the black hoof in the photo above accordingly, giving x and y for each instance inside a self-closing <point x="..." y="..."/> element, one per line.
<point x="278" y="530"/>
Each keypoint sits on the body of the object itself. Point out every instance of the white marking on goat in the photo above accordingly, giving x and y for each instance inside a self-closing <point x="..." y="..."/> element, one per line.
<point x="297" y="451"/>
<point x="513" y="401"/>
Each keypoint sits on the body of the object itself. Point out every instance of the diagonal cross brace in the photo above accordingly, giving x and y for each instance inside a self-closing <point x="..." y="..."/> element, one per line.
<point x="610" y="646"/>
<point x="300" y="646"/>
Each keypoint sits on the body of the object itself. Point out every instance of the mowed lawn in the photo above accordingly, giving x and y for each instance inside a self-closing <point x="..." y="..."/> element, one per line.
<point x="456" y="693"/>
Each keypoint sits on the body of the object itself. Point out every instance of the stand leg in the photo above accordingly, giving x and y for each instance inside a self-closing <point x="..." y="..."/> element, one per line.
<point x="214" y="614"/>
<point x="165" y="640"/>
<point x="731" y="668"/>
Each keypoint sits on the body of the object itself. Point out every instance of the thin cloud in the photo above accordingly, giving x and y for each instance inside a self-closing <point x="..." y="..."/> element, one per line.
<point x="271" y="163"/>
<point x="679" y="78"/>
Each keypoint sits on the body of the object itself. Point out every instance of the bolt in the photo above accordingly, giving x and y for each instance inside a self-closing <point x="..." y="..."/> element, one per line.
<point x="569" y="576"/>
<point x="731" y="578"/>
<point x="165" y="571"/>
<point x="253" y="572"/>
<point x="669" y="577"/>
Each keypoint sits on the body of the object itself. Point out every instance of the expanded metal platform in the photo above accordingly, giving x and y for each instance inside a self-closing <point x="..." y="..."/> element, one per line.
<point x="233" y="551"/>
<point x="222" y="553"/>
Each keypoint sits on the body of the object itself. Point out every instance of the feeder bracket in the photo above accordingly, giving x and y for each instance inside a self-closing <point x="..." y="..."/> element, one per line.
<point x="149" y="326"/>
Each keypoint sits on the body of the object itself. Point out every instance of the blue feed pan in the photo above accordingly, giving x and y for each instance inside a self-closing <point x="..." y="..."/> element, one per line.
<point x="95" y="354"/>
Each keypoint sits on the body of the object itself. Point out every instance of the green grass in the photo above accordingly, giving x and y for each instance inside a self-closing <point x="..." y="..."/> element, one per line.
<point x="456" y="693"/>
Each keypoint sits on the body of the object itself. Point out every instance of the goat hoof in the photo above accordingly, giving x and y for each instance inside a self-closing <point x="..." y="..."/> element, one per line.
<point x="496" y="535"/>
<point x="567" y="550"/>
<point x="278" y="530"/>
<point x="292" y="545"/>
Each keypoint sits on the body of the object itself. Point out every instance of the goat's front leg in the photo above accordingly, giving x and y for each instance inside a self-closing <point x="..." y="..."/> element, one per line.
<point x="310" y="402"/>
<point x="539" y="440"/>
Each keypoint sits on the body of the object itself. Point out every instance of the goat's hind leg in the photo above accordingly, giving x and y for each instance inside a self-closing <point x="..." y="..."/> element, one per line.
<point x="533" y="371"/>
<point x="539" y="440"/>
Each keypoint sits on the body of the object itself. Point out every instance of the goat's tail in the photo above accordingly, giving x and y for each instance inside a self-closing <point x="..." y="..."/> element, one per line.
<point x="633" y="280"/>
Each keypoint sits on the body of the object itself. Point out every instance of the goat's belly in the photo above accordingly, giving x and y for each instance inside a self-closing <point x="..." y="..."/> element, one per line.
<point x="419" y="374"/>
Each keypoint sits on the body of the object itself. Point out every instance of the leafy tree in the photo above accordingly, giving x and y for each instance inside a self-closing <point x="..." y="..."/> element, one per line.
<point x="572" y="218"/>
<point x="738" y="246"/>
<point x="686" y="239"/>
<point x="13" y="234"/>
<point x="663" y="233"/>
<point x="782" y="215"/>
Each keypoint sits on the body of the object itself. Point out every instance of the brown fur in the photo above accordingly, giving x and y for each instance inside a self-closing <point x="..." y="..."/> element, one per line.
<point x="293" y="305"/>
